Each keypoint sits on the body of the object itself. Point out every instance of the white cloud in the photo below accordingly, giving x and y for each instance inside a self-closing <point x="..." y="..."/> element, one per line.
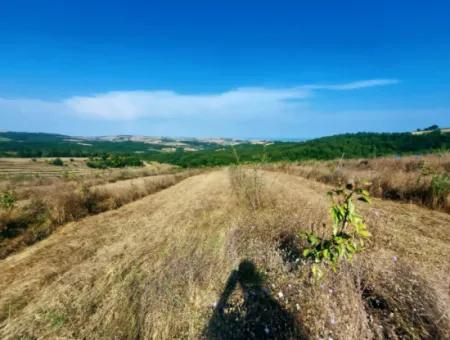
<point x="240" y="103"/>
<point x="165" y="104"/>
<point x="355" y="85"/>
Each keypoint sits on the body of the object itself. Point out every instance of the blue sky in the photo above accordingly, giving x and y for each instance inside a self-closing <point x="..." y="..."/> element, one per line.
<point x="224" y="68"/>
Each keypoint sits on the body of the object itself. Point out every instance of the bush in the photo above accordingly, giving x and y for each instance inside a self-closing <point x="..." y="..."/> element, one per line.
<point x="114" y="161"/>
<point x="57" y="162"/>
<point x="440" y="189"/>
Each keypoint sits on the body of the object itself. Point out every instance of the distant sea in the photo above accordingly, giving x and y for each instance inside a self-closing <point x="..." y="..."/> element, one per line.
<point x="280" y="139"/>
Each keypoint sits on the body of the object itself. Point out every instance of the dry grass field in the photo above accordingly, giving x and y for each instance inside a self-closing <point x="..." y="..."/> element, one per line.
<point x="26" y="172"/>
<point x="40" y="205"/>
<point x="423" y="180"/>
<point x="217" y="256"/>
<point x="26" y="167"/>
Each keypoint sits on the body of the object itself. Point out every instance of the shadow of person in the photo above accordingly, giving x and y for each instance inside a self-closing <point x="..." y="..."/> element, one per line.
<point x="256" y="315"/>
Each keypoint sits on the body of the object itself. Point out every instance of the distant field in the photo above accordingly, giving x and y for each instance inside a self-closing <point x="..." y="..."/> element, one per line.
<point x="46" y="196"/>
<point x="27" y="168"/>
<point x="41" y="167"/>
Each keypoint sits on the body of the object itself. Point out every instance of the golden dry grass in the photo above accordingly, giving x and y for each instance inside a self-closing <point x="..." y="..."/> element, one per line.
<point x="157" y="269"/>
<point x="44" y="208"/>
<point x="25" y="175"/>
<point x="424" y="180"/>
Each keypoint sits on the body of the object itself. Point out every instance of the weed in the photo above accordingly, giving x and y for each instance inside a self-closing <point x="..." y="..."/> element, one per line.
<point x="440" y="188"/>
<point x="55" y="318"/>
<point x="7" y="200"/>
<point x="247" y="185"/>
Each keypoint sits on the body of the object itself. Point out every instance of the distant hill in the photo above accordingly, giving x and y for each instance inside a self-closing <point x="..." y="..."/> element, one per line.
<point x="358" y="145"/>
<point x="425" y="131"/>
<point x="191" y="152"/>
<point x="24" y="144"/>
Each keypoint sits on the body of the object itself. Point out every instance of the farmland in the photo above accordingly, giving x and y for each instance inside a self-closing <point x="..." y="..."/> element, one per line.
<point x="26" y="167"/>
<point x="162" y="252"/>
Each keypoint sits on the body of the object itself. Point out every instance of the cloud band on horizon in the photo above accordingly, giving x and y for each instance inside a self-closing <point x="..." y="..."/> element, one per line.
<point x="239" y="103"/>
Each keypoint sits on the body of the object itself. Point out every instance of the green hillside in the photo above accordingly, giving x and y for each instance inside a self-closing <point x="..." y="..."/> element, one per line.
<point x="357" y="145"/>
<point x="13" y="144"/>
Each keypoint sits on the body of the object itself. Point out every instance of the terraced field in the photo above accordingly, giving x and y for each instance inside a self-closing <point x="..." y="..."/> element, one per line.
<point x="10" y="167"/>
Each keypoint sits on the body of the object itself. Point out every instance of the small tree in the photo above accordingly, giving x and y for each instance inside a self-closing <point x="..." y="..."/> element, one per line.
<point x="348" y="231"/>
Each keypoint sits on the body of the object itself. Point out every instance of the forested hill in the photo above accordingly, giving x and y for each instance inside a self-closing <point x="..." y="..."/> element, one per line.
<point x="359" y="145"/>
<point x="187" y="153"/>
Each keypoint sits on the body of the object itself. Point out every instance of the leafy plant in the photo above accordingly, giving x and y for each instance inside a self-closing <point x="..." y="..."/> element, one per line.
<point x="440" y="187"/>
<point x="348" y="231"/>
<point x="7" y="200"/>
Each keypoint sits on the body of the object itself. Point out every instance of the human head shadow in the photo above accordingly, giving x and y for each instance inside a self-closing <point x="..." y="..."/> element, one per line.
<point x="256" y="316"/>
<point x="289" y="249"/>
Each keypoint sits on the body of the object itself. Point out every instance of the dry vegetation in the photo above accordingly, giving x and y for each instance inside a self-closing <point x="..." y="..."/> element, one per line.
<point x="28" y="168"/>
<point x="217" y="256"/>
<point x="37" y="210"/>
<point x="21" y="174"/>
<point x="422" y="180"/>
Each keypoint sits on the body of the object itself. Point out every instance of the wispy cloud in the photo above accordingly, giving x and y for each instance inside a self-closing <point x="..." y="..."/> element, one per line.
<point x="240" y="103"/>
<point x="361" y="84"/>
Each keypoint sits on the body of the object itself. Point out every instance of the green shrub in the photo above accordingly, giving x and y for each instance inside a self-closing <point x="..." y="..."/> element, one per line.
<point x="440" y="188"/>
<point x="57" y="162"/>
<point x="113" y="161"/>
<point x="348" y="231"/>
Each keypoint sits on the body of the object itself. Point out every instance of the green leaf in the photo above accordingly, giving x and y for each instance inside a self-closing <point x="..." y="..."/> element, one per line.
<point x="364" y="199"/>
<point x="351" y="207"/>
<point x="364" y="233"/>
<point x="326" y="254"/>
<point x="312" y="239"/>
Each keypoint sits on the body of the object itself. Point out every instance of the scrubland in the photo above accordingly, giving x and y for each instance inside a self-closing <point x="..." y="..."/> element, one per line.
<point x="424" y="180"/>
<point x="218" y="256"/>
